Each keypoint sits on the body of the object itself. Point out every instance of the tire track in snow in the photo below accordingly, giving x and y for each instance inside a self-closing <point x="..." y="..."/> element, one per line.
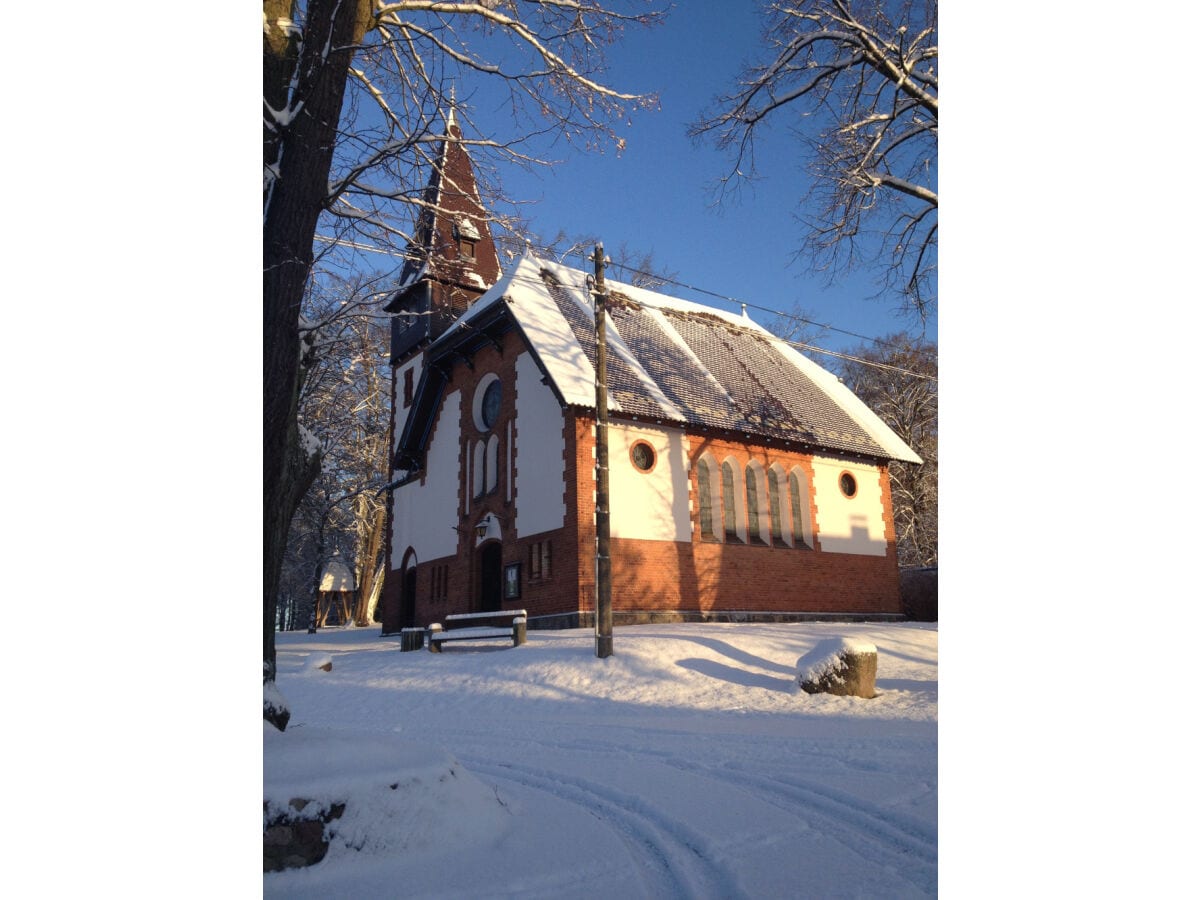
<point x="887" y="839"/>
<point x="630" y="749"/>
<point x="903" y="844"/>
<point x="673" y="860"/>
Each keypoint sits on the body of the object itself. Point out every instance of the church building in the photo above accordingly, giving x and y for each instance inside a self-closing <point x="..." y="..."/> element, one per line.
<point x="745" y="481"/>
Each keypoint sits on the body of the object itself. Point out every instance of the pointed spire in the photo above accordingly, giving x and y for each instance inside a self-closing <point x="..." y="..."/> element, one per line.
<point x="452" y="251"/>
<point x="451" y="117"/>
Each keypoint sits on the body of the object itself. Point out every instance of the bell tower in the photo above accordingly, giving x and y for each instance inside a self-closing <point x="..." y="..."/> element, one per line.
<point x="450" y="263"/>
<point x="451" y="259"/>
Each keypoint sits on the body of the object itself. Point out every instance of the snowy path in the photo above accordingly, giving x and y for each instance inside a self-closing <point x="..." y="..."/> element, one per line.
<point x="685" y="766"/>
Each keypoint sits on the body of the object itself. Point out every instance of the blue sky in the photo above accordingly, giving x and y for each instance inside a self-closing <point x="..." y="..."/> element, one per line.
<point x="655" y="197"/>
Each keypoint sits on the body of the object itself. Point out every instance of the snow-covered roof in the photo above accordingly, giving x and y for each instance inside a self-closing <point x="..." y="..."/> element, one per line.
<point x="337" y="576"/>
<point x="678" y="362"/>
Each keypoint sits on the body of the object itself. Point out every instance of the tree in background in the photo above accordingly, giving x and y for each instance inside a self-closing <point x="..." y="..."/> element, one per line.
<point x="859" y="79"/>
<point x="897" y="379"/>
<point x="353" y="98"/>
<point x="344" y="405"/>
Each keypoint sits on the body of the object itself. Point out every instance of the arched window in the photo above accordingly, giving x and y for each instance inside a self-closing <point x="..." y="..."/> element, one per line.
<point x="486" y="404"/>
<point x="752" y="505"/>
<point x="492" y="463"/>
<point x="801" y="514"/>
<point x="729" y="490"/>
<point x="477" y="469"/>
<point x="704" y="481"/>
<point x="776" y="516"/>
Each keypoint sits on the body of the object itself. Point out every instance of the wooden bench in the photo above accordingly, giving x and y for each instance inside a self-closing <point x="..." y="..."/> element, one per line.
<point x="481" y="626"/>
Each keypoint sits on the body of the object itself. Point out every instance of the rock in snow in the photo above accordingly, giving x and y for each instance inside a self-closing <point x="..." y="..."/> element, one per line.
<point x="841" y="666"/>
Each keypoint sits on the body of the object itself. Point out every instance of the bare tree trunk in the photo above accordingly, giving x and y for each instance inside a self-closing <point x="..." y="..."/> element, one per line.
<point x="377" y="586"/>
<point x="369" y="562"/>
<point x="300" y="153"/>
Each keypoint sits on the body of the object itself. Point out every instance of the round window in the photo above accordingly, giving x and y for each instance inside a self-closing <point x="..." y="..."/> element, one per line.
<point x="490" y="410"/>
<point x="642" y="455"/>
<point x="848" y="484"/>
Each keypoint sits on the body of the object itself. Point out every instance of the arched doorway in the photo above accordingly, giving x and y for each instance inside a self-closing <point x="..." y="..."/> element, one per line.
<point x="408" y="599"/>
<point x="491" y="584"/>
<point x="406" y="613"/>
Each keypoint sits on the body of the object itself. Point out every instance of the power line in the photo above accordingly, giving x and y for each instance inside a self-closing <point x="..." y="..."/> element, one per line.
<point x="662" y="279"/>
<point x="757" y="331"/>
<point x="797" y="344"/>
<point x="342" y="242"/>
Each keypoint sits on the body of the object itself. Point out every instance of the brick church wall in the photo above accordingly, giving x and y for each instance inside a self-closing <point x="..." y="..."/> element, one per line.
<point x="651" y="579"/>
<point x="705" y="576"/>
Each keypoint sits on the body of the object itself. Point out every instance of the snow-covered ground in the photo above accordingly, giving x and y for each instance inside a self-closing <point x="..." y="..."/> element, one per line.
<point x="688" y="764"/>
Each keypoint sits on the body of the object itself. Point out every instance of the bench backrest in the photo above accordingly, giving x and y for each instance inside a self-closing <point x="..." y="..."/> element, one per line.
<point x="483" y="619"/>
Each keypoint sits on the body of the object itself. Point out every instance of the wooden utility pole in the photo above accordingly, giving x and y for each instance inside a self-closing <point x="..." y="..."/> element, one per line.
<point x="604" y="641"/>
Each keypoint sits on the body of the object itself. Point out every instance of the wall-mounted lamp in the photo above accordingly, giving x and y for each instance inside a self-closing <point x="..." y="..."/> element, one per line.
<point x="485" y="523"/>
<point x="481" y="528"/>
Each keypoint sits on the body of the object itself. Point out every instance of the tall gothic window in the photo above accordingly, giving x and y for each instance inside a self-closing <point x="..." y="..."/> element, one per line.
<point x="703" y="478"/>
<point x="729" y="489"/>
<point x="752" y="505"/>
<point x="798" y="495"/>
<point x="773" y="495"/>
<point x="479" y="467"/>
<point x="492" y="457"/>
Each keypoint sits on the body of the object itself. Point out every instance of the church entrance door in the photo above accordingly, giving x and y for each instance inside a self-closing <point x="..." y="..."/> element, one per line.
<point x="408" y="599"/>
<point x="490" y="577"/>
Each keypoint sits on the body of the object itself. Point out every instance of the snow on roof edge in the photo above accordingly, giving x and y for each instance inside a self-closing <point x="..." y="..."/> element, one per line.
<point x="849" y="401"/>
<point x="845" y="398"/>
<point x="526" y="276"/>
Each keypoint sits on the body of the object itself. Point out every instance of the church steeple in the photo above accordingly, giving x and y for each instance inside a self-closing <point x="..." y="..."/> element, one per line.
<point x="452" y="258"/>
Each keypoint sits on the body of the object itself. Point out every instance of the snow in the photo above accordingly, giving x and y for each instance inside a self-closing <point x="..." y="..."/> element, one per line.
<point x="456" y="617"/>
<point x="688" y="764"/>
<point x="309" y="442"/>
<point x="466" y="634"/>
<point x="401" y="797"/>
<point x="336" y="577"/>
<point x="466" y="228"/>
<point x="544" y="326"/>
<point x="676" y="338"/>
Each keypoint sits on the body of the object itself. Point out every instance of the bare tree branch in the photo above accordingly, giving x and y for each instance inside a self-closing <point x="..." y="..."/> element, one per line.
<point x="908" y="404"/>
<point x="354" y="92"/>
<point x="862" y="78"/>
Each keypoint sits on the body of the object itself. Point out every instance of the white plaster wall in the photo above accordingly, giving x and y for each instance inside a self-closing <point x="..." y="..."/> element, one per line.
<point x="849" y="524"/>
<point x="398" y="406"/>
<point x="651" y="506"/>
<point x="426" y="514"/>
<point x="539" y="467"/>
